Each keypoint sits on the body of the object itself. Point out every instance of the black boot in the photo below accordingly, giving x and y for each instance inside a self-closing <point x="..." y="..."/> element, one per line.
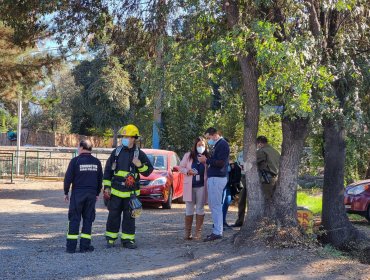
<point x="110" y="243"/>
<point x="130" y="244"/>
<point x="71" y="246"/>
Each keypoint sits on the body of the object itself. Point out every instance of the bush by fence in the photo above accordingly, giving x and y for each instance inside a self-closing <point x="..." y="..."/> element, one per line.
<point x="50" y="139"/>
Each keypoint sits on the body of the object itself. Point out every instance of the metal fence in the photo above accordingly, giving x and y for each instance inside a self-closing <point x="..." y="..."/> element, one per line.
<point x="39" y="163"/>
<point x="7" y="166"/>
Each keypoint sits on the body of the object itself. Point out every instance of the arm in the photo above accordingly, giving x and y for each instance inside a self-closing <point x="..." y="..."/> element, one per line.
<point x="108" y="172"/>
<point x="261" y="160"/>
<point x="68" y="178"/>
<point x="100" y="178"/>
<point x="183" y="164"/>
<point x="146" y="167"/>
<point x="220" y="158"/>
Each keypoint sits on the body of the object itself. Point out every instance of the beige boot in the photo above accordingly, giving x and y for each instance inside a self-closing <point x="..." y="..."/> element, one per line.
<point x="188" y="224"/>
<point x="198" y="227"/>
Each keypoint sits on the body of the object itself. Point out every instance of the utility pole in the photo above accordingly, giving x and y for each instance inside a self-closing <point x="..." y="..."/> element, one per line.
<point x="19" y="132"/>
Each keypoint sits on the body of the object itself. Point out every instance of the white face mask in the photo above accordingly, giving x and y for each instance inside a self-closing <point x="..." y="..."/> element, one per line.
<point x="201" y="149"/>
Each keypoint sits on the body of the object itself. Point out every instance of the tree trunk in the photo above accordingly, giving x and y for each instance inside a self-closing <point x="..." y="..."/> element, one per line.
<point x="367" y="176"/>
<point x="161" y="18"/>
<point x="255" y="200"/>
<point x="339" y="231"/>
<point x="115" y="136"/>
<point x="284" y="205"/>
<point x="158" y="98"/>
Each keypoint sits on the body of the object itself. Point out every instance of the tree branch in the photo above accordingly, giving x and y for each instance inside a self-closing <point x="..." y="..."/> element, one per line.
<point x="314" y="20"/>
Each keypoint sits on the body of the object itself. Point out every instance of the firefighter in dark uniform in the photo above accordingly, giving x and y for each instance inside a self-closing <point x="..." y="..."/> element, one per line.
<point x="122" y="183"/>
<point x="85" y="174"/>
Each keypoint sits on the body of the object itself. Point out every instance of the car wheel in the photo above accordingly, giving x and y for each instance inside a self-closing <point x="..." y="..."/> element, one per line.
<point x="168" y="204"/>
<point x="368" y="214"/>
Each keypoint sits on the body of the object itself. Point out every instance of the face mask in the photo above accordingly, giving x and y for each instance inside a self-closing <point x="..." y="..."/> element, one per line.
<point x="201" y="149"/>
<point x="211" y="142"/>
<point x="125" y="142"/>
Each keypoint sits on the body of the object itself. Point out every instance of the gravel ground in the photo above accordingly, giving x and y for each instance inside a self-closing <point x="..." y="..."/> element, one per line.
<point x="33" y="219"/>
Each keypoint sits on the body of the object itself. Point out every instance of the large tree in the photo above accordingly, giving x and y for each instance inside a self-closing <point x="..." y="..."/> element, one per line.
<point x="342" y="34"/>
<point x="105" y="95"/>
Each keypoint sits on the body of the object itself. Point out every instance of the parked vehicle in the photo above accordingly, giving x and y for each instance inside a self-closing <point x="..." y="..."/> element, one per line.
<point x="357" y="198"/>
<point x="165" y="184"/>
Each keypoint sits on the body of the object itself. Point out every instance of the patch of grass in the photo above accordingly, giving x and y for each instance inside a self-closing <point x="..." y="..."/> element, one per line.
<point x="355" y="217"/>
<point x="330" y="251"/>
<point x="312" y="202"/>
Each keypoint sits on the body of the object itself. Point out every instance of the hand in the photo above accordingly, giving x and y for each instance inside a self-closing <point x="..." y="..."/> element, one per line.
<point x="66" y="198"/>
<point x="97" y="197"/>
<point x="190" y="173"/>
<point x="137" y="162"/>
<point x="106" y="194"/>
<point x="202" y="158"/>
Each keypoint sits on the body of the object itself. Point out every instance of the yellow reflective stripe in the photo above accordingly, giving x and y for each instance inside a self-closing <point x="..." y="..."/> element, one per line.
<point x="123" y="194"/>
<point x="121" y="173"/>
<point x="86" y="236"/>
<point x="143" y="168"/>
<point x="128" y="236"/>
<point x="107" y="183"/>
<point x="72" y="236"/>
<point x="111" y="234"/>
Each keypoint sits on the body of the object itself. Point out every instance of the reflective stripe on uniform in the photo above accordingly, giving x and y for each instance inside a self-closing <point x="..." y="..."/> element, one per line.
<point x="123" y="194"/>
<point x="86" y="236"/>
<point x="111" y="234"/>
<point x="128" y="236"/>
<point x="121" y="173"/>
<point x="107" y="183"/>
<point x="143" y="168"/>
<point x="72" y="236"/>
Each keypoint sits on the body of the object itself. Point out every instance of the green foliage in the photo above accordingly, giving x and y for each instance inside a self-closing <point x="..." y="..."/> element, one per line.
<point x="104" y="101"/>
<point x="20" y="70"/>
<point x="270" y="126"/>
<point x="7" y="121"/>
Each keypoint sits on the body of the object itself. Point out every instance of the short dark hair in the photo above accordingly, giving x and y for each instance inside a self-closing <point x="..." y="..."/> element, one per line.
<point x="211" y="131"/>
<point x="262" y="139"/>
<point x="86" y="145"/>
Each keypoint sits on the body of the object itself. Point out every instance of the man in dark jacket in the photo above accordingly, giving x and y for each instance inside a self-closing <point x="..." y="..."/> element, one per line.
<point x="121" y="184"/>
<point x="85" y="174"/>
<point x="217" y="178"/>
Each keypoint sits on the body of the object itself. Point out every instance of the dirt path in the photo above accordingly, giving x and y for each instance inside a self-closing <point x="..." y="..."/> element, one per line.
<point x="32" y="246"/>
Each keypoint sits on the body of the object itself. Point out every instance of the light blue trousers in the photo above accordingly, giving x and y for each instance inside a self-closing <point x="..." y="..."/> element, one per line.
<point x="216" y="186"/>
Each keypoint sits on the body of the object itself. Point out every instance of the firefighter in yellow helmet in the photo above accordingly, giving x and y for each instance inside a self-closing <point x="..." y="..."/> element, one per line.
<point x="121" y="185"/>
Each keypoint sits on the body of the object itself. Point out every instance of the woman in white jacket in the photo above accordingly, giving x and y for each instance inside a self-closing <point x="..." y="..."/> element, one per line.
<point x="195" y="190"/>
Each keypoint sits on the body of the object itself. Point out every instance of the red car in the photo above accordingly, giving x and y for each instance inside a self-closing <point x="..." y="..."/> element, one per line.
<point x="357" y="198"/>
<point x="165" y="184"/>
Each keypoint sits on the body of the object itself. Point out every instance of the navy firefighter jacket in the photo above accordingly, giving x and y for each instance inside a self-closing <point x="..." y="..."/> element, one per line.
<point x="124" y="165"/>
<point x="84" y="173"/>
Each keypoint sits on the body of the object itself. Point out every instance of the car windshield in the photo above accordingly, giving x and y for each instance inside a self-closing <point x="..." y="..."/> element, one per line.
<point x="158" y="161"/>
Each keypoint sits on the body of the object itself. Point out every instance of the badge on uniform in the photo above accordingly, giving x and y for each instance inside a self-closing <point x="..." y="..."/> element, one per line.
<point x="114" y="166"/>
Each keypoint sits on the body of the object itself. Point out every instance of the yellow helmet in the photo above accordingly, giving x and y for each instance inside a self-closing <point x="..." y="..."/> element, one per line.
<point x="129" y="130"/>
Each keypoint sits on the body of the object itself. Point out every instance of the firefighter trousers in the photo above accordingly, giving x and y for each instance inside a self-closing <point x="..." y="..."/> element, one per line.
<point x="82" y="204"/>
<point x="120" y="207"/>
